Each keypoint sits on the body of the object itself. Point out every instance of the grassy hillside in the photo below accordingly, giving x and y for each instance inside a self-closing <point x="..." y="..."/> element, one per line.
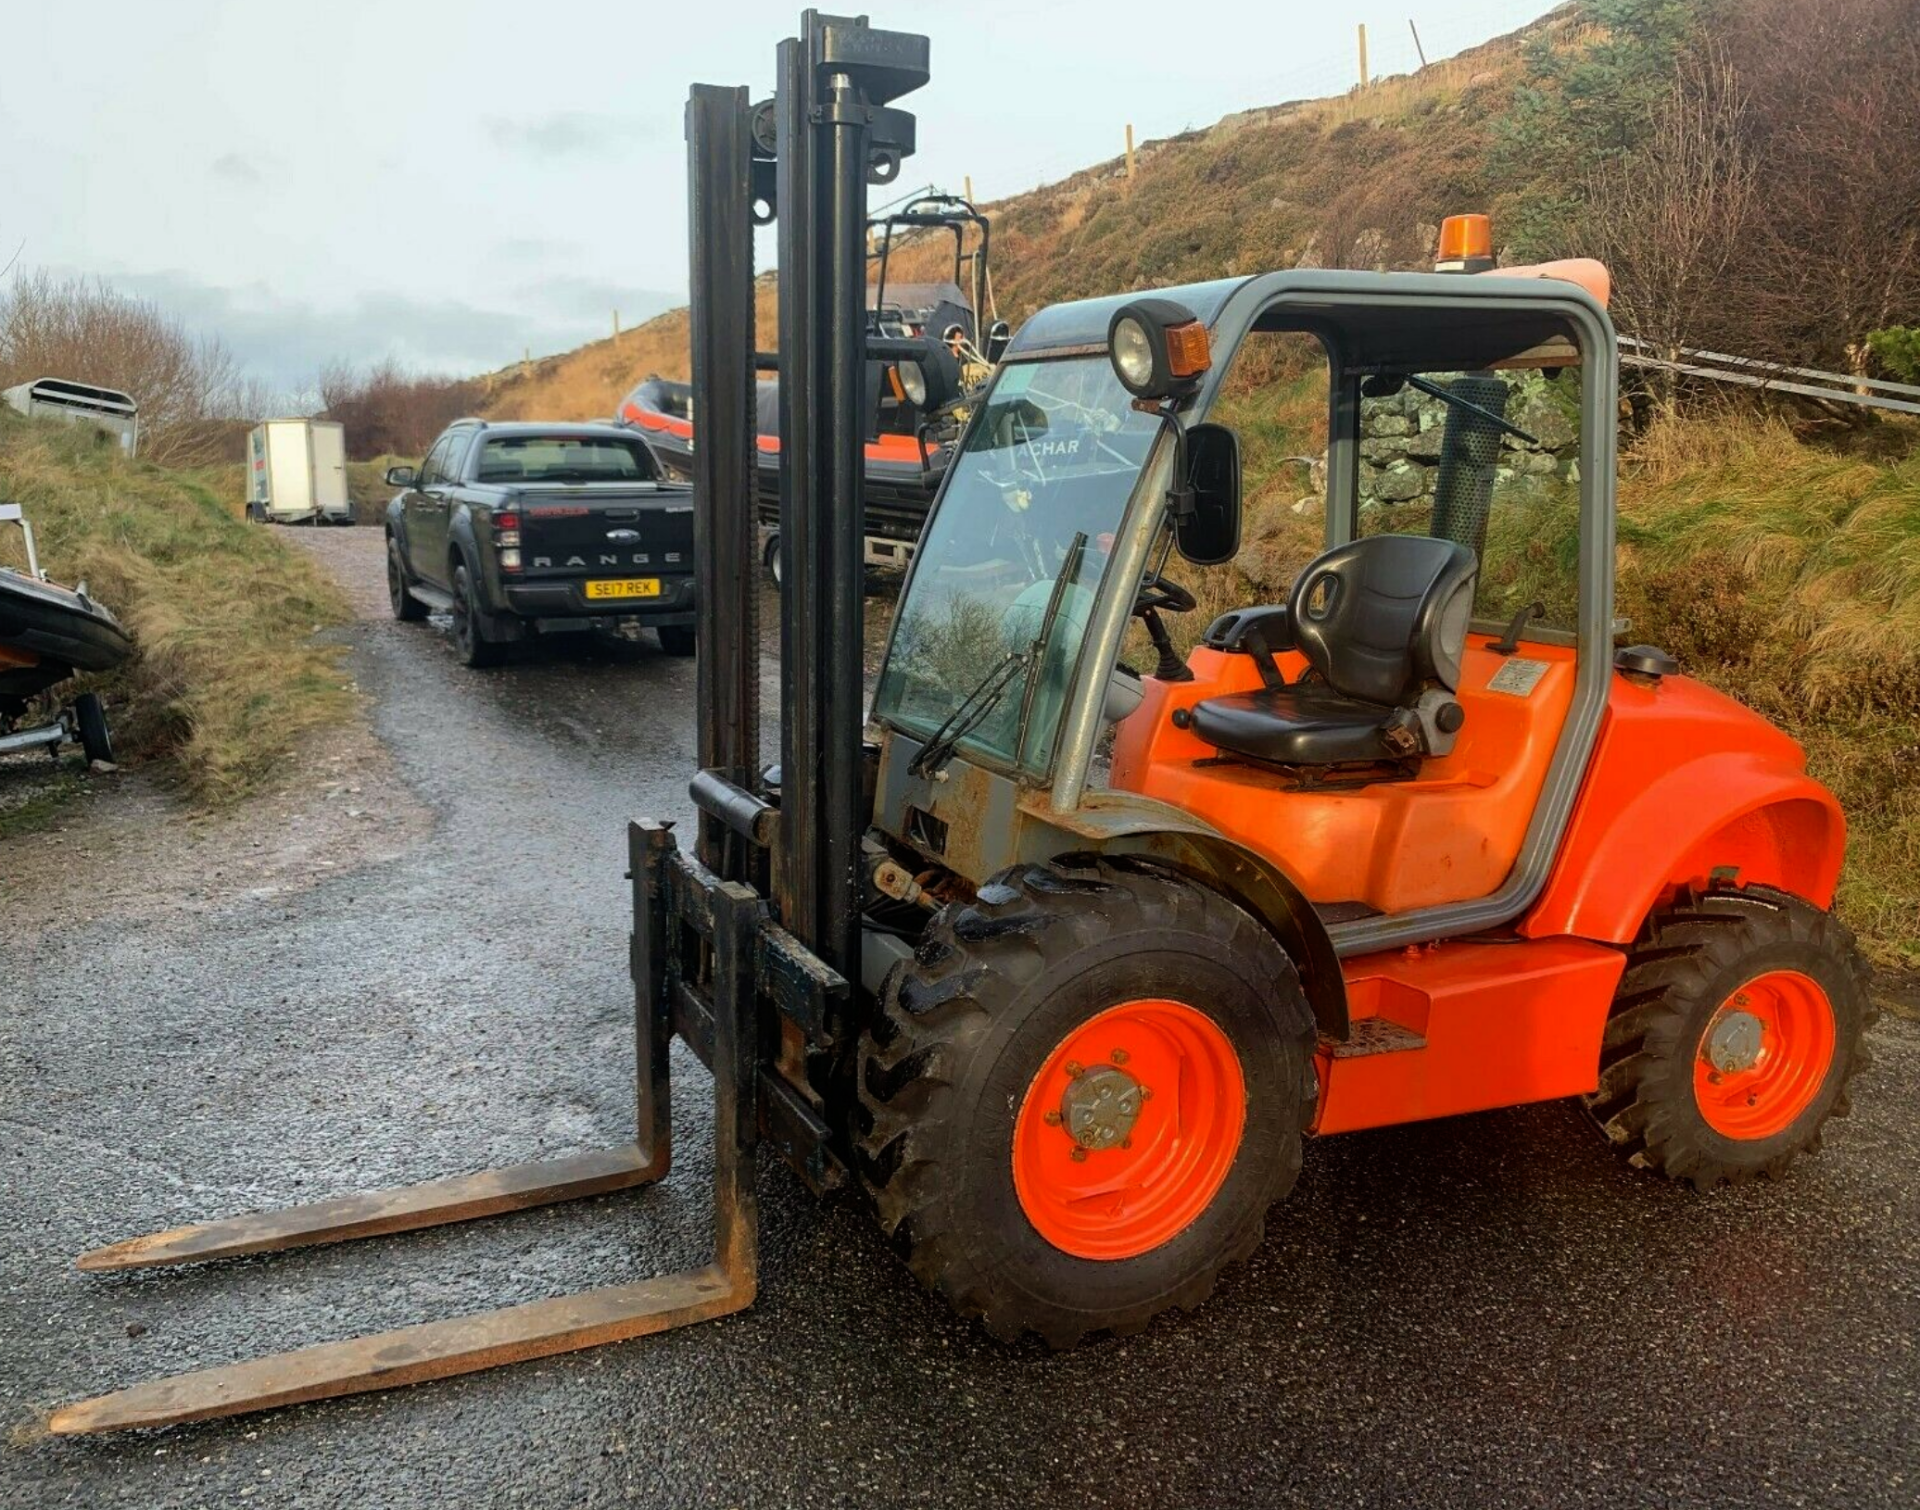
<point x="1788" y="574"/>
<point x="1322" y="182"/>
<point x="225" y="677"/>
<point x="589" y="383"/>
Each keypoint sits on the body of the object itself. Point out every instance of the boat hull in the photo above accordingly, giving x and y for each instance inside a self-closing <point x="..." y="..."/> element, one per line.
<point x="49" y="632"/>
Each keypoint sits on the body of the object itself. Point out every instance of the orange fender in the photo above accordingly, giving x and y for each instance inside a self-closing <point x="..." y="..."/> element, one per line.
<point x="1685" y="783"/>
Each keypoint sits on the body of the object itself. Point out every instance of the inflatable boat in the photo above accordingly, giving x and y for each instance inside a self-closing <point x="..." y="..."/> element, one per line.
<point x="47" y="633"/>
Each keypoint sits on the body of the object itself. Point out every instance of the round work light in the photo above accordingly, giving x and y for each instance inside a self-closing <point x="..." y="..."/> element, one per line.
<point x="1158" y="348"/>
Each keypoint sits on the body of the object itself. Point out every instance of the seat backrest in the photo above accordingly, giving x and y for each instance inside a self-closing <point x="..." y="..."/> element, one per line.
<point x="1381" y="617"/>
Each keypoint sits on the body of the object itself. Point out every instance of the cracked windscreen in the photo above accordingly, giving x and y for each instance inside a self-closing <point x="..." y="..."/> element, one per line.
<point x="1054" y="457"/>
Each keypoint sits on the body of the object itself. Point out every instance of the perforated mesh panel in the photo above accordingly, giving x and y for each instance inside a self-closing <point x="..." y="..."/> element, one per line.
<point x="1463" y="492"/>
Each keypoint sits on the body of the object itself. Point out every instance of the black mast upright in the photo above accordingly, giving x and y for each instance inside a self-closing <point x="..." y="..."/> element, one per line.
<point x="720" y="221"/>
<point x="834" y="137"/>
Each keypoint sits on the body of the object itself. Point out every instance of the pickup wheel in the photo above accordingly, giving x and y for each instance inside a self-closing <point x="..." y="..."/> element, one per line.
<point x="676" y="639"/>
<point x="469" y="633"/>
<point x="406" y="607"/>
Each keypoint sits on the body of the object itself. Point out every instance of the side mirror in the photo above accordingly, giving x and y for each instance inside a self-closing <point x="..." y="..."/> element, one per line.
<point x="999" y="337"/>
<point x="401" y="477"/>
<point x="1209" y="534"/>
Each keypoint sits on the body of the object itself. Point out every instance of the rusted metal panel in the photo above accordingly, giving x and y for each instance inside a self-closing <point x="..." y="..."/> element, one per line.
<point x="800" y="984"/>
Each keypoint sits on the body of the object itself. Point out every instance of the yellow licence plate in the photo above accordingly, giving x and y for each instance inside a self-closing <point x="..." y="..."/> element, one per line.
<point x="629" y="587"/>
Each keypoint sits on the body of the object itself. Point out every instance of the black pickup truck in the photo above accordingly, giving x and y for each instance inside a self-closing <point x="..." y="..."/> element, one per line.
<point x="527" y="529"/>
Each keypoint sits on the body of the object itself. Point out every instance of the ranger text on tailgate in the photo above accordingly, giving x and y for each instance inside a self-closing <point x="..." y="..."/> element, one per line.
<point x="520" y="530"/>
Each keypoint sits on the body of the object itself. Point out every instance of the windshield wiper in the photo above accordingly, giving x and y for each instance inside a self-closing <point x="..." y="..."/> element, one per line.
<point x="988" y="691"/>
<point x="1446" y="396"/>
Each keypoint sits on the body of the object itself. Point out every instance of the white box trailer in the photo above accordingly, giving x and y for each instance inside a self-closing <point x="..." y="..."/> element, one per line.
<point x="78" y="403"/>
<point x="297" y="472"/>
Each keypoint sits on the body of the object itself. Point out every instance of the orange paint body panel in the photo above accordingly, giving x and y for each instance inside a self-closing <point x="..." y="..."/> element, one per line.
<point x="1685" y="781"/>
<point x="1465" y="1027"/>
<point x="883" y="448"/>
<point x="1449" y="835"/>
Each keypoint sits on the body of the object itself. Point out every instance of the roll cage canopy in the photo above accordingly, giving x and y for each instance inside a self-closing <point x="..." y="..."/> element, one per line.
<point x="1370" y="322"/>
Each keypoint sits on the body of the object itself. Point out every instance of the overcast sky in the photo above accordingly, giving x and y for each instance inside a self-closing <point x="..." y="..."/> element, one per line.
<point x="451" y="185"/>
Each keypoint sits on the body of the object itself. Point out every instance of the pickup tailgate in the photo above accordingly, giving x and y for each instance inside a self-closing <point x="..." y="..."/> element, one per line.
<point x="592" y="533"/>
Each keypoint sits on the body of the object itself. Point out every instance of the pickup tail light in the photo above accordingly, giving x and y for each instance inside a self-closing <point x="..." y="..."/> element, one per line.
<point x="506" y="537"/>
<point x="510" y="560"/>
<point x="506" y="521"/>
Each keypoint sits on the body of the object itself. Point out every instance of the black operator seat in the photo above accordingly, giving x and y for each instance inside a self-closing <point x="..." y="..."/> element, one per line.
<point x="1382" y="622"/>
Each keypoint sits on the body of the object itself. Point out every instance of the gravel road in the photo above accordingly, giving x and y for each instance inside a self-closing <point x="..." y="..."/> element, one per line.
<point x="1482" y="1311"/>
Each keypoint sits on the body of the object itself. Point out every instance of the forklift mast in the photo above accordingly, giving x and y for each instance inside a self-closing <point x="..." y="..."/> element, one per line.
<point x="744" y="946"/>
<point x="834" y="134"/>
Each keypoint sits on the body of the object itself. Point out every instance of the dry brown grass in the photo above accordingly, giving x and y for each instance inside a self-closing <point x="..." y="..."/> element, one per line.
<point x="1788" y="574"/>
<point x="589" y="383"/>
<point x="226" y="676"/>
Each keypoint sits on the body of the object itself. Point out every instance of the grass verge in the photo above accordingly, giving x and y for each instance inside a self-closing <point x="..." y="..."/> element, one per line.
<point x="226" y="676"/>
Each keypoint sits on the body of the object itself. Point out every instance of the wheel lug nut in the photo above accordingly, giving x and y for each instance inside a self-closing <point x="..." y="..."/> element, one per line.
<point x="1119" y="1056"/>
<point x="1145" y="1092"/>
<point x="1054" y="1119"/>
<point x="1075" y="1069"/>
<point x="1079" y="1154"/>
<point x="1126" y="1142"/>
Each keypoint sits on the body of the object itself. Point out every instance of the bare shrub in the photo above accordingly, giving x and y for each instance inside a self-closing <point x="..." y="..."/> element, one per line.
<point x="389" y="411"/>
<point x="1837" y="255"/>
<point x="189" y="388"/>
<point x="1670" y="219"/>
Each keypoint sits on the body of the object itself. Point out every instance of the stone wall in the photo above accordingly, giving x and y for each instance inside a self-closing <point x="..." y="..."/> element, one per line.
<point x="1402" y="436"/>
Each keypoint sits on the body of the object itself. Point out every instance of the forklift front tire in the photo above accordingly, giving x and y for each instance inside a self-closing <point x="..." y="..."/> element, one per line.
<point x="1732" y="1038"/>
<point x="1081" y="1096"/>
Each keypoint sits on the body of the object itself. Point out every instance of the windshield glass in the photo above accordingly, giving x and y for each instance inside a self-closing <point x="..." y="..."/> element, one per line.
<point x="1055" y="456"/>
<point x="563" y="458"/>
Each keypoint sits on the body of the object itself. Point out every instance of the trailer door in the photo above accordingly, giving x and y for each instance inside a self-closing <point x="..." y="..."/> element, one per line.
<point x="289" y="469"/>
<point x="330" y="469"/>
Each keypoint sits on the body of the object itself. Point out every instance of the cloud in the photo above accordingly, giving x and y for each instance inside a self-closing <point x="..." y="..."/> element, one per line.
<point x="238" y="171"/>
<point x="570" y="133"/>
<point x="286" y="341"/>
<point x="533" y="249"/>
<point x="594" y="300"/>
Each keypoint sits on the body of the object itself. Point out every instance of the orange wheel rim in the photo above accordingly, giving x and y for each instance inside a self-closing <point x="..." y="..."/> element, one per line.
<point x="1762" y="1060"/>
<point x="1129" y="1129"/>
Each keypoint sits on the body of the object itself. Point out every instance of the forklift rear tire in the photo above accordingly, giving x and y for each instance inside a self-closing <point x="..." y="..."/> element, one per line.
<point x="96" y="743"/>
<point x="1086" y="1024"/>
<point x="1733" y="1037"/>
<point x="676" y="639"/>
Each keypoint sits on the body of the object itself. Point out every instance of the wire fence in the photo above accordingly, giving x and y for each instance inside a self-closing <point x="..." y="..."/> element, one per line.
<point x="1774" y="377"/>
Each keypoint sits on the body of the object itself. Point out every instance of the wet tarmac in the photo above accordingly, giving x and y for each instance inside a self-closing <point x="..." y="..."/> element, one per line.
<point x="1483" y="1311"/>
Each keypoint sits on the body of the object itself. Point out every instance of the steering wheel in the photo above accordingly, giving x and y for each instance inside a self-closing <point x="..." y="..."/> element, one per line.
<point x="1161" y="594"/>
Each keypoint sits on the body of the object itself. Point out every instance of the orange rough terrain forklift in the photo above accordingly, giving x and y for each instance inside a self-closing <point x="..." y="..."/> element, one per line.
<point x="1418" y="841"/>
